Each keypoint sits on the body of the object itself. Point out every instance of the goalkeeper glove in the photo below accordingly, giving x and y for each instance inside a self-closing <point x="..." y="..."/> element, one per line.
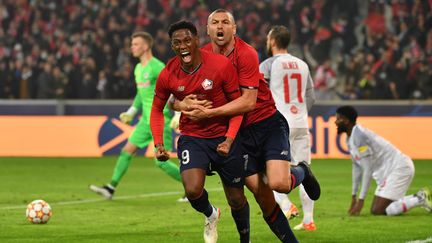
<point x="175" y="121"/>
<point x="127" y="117"/>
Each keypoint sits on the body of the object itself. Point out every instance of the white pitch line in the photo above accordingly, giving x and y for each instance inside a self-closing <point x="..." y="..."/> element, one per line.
<point x="429" y="239"/>
<point x="155" y="194"/>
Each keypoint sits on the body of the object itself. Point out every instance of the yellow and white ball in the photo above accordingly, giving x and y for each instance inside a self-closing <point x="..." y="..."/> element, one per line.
<point x="38" y="212"/>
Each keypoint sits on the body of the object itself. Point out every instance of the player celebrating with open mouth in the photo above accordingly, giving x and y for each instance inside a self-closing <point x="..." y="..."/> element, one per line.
<point x="206" y="145"/>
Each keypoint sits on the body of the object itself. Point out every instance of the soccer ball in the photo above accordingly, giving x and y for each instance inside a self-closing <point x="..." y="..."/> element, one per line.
<point x="38" y="212"/>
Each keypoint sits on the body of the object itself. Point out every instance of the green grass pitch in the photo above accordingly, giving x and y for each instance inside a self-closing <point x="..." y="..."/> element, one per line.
<point x="145" y="207"/>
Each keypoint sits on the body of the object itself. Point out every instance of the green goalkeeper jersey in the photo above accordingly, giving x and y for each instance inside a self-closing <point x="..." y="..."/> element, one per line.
<point x="145" y="79"/>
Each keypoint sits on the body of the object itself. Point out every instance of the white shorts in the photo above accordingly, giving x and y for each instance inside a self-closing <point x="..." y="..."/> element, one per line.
<point x="396" y="184"/>
<point x="300" y="145"/>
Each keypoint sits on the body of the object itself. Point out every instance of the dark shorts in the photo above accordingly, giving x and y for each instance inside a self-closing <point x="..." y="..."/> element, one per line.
<point x="201" y="153"/>
<point x="265" y="140"/>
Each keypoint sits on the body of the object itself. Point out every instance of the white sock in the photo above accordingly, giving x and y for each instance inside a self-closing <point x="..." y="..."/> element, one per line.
<point x="403" y="205"/>
<point x="111" y="187"/>
<point x="307" y="205"/>
<point x="214" y="214"/>
<point x="283" y="201"/>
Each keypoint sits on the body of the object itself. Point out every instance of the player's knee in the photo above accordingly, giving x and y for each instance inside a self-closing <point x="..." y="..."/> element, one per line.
<point x="236" y="201"/>
<point x="280" y="185"/>
<point x="193" y="191"/>
<point x="392" y="209"/>
<point x="130" y="148"/>
<point x="378" y="211"/>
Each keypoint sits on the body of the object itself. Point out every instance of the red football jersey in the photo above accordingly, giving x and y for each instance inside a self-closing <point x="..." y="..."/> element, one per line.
<point x="215" y="80"/>
<point x="245" y="58"/>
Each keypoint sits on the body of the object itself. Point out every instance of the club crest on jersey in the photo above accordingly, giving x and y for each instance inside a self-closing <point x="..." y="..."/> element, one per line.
<point x="207" y="84"/>
<point x="181" y="88"/>
<point x="294" y="109"/>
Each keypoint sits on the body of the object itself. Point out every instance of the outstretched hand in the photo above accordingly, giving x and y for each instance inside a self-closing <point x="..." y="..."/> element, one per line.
<point x="161" y="153"/>
<point x="224" y="147"/>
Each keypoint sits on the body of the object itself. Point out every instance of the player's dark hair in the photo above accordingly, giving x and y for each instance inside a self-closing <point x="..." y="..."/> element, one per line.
<point x="182" y="24"/>
<point x="281" y="35"/>
<point x="146" y="36"/>
<point x="349" y="112"/>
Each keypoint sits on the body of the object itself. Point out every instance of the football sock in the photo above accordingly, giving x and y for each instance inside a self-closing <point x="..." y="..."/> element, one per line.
<point x="297" y="176"/>
<point x="307" y="205"/>
<point x="278" y="223"/>
<point x="121" y="167"/>
<point x="283" y="200"/>
<point x="170" y="168"/>
<point x="402" y="205"/>
<point x="110" y="188"/>
<point x="241" y="218"/>
<point x="202" y="204"/>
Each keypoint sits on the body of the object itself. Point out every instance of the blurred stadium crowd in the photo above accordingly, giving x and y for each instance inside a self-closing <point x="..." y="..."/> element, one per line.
<point x="356" y="49"/>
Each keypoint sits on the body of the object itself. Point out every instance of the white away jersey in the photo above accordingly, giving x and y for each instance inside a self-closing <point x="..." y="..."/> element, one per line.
<point x="291" y="86"/>
<point x="372" y="156"/>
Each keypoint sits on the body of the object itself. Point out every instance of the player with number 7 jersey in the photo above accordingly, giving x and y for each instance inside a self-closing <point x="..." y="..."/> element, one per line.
<point x="264" y="131"/>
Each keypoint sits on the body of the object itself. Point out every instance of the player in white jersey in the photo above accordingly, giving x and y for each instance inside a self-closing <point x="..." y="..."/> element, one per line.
<point x="292" y="89"/>
<point x="374" y="157"/>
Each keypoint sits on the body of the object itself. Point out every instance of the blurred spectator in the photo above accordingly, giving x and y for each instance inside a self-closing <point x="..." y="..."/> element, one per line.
<point x="89" y="42"/>
<point x="325" y="82"/>
<point x="102" y="85"/>
<point x="60" y="83"/>
<point x="46" y="83"/>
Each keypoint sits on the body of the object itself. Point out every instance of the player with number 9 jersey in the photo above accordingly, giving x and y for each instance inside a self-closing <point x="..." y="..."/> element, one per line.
<point x="209" y="144"/>
<point x="211" y="81"/>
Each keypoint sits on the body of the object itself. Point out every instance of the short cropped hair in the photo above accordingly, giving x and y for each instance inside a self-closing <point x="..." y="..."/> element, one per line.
<point x="281" y="35"/>
<point x="349" y="112"/>
<point x="221" y="10"/>
<point x="182" y="24"/>
<point x="146" y="36"/>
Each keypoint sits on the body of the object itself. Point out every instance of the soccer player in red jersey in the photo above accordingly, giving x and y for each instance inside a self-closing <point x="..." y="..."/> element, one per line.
<point x="209" y="144"/>
<point x="265" y="131"/>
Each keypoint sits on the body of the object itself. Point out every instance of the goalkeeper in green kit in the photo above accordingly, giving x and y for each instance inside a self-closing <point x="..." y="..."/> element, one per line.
<point x="146" y="73"/>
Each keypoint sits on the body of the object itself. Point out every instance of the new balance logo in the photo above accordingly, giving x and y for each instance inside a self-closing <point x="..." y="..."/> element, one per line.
<point x="284" y="152"/>
<point x="181" y="88"/>
<point x="236" y="180"/>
